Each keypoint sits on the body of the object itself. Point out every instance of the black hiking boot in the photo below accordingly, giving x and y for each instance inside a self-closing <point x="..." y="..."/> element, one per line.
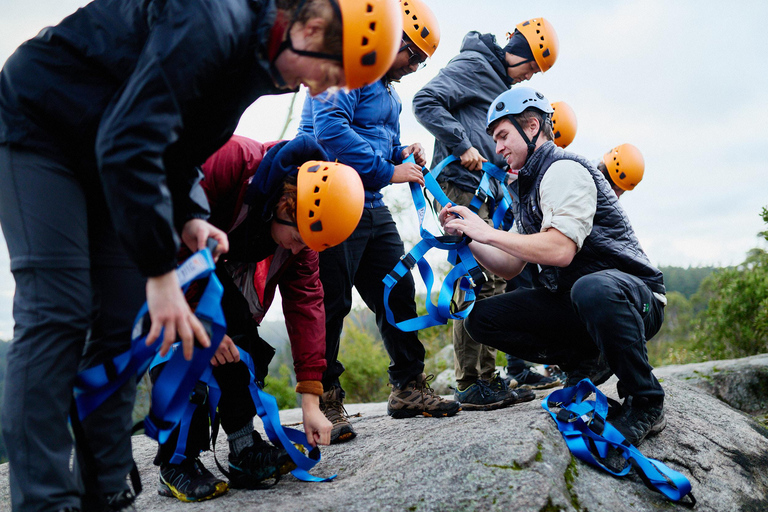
<point x="596" y="370"/>
<point x="531" y="379"/>
<point x="189" y="481"/>
<point x="254" y="464"/>
<point x="332" y="406"/>
<point x="641" y="417"/>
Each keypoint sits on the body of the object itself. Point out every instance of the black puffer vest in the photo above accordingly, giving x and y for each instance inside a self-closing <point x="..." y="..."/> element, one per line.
<point x="612" y="242"/>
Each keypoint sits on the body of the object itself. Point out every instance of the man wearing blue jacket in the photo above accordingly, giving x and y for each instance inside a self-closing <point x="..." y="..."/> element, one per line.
<point x="452" y="106"/>
<point x="362" y="129"/>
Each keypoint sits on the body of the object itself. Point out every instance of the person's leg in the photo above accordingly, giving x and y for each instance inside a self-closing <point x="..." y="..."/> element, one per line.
<point x="44" y="220"/>
<point x="382" y="253"/>
<point x="621" y="313"/>
<point x="118" y="293"/>
<point x="338" y="266"/>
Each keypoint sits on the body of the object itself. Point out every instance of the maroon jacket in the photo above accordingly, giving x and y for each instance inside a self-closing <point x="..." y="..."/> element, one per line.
<point x="227" y="175"/>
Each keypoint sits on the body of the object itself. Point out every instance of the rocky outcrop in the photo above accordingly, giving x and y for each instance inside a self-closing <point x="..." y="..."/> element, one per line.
<point x="515" y="459"/>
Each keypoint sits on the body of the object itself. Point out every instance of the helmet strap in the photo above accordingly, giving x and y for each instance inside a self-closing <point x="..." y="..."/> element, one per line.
<point x="285" y="222"/>
<point x="530" y="143"/>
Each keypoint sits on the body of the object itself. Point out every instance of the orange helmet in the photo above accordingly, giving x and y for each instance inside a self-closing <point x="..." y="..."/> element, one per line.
<point x="371" y="38"/>
<point x="563" y="123"/>
<point x="420" y="25"/>
<point x="625" y="166"/>
<point x="329" y="198"/>
<point x="542" y="39"/>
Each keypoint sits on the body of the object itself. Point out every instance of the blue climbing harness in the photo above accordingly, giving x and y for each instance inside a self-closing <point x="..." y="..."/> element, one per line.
<point x="465" y="271"/>
<point x="590" y="437"/>
<point x="171" y="392"/>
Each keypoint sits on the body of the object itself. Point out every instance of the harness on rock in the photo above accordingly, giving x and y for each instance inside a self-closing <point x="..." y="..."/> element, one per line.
<point x="267" y="410"/>
<point x="465" y="272"/>
<point x="590" y="437"/>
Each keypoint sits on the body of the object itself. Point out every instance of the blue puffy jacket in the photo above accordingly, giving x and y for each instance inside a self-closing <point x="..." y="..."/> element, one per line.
<point x="361" y="129"/>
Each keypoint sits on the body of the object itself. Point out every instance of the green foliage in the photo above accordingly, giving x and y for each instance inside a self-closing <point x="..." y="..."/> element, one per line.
<point x="735" y="323"/>
<point x="282" y="387"/>
<point x="362" y="352"/>
<point x="685" y="281"/>
<point x="434" y="339"/>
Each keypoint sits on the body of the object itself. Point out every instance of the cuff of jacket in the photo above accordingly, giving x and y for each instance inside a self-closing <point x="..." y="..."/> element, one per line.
<point x="461" y="148"/>
<point x="312" y="387"/>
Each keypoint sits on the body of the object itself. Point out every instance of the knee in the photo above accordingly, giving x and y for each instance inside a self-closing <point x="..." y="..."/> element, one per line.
<point x="592" y="296"/>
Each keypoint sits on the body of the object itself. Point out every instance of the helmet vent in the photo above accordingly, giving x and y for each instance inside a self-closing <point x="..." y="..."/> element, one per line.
<point x="369" y="59"/>
<point x="372" y="26"/>
<point x="325" y="178"/>
<point x="316" y="226"/>
<point x="317" y="189"/>
<point x="365" y="41"/>
<point x="317" y="202"/>
<point x="314" y="168"/>
<point x="500" y="106"/>
<point x="622" y="176"/>
<point x="424" y="32"/>
<point x="311" y="213"/>
<point x="369" y="8"/>
<point x="546" y="53"/>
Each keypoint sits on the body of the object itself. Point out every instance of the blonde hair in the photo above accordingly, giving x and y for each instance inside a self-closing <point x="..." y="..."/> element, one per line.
<point x="332" y="38"/>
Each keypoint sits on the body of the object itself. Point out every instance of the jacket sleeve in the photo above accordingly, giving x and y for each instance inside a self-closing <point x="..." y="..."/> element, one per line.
<point x="451" y="88"/>
<point x="187" y="48"/>
<point x="332" y="116"/>
<point x="304" y="313"/>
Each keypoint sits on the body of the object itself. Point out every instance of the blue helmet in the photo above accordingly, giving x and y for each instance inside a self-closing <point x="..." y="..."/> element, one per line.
<point x="515" y="101"/>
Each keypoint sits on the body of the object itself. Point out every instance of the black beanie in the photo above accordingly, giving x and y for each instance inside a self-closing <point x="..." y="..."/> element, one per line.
<point x="518" y="45"/>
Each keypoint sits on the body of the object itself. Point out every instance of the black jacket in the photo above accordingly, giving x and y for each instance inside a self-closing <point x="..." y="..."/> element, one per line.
<point x="132" y="95"/>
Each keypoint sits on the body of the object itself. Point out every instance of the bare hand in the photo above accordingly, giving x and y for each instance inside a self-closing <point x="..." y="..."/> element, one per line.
<point x="460" y="220"/>
<point x="408" y="172"/>
<point x="226" y="353"/>
<point x="169" y="311"/>
<point x="417" y="151"/>
<point x="472" y="159"/>
<point x="316" y="425"/>
<point x="196" y="233"/>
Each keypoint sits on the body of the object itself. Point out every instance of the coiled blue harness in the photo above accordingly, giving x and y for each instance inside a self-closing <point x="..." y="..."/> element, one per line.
<point x="465" y="269"/>
<point x="589" y="437"/>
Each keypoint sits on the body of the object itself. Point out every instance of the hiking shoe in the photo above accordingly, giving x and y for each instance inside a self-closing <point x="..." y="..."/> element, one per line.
<point x="257" y="463"/>
<point x="640" y="418"/>
<point x="480" y="396"/>
<point x="516" y="394"/>
<point x="531" y="379"/>
<point x="333" y="408"/>
<point x="417" y="398"/>
<point x="596" y="370"/>
<point x="121" y="501"/>
<point x="189" y="481"/>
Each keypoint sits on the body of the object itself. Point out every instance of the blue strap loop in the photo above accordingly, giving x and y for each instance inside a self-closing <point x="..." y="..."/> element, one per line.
<point x="465" y="269"/>
<point x="586" y="432"/>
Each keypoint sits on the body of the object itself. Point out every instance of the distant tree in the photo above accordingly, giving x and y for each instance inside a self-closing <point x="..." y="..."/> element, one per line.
<point x="685" y="281"/>
<point x="735" y="323"/>
<point x="362" y="353"/>
<point x="283" y="387"/>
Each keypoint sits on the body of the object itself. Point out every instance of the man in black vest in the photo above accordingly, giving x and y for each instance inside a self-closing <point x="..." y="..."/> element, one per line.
<point x="600" y="299"/>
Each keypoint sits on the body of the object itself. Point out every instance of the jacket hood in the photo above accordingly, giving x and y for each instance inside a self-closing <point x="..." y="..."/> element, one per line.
<point x="485" y="44"/>
<point x="281" y="161"/>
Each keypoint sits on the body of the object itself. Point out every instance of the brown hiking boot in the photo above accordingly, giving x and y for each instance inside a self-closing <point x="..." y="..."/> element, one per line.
<point x="418" y="399"/>
<point x="333" y="408"/>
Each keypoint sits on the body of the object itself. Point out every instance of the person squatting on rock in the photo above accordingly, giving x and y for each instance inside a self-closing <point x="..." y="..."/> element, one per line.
<point x="276" y="220"/>
<point x="362" y="129"/>
<point x="103" y="120"/>
<point x="454" y="113"/>
<point x="601" y="298"/>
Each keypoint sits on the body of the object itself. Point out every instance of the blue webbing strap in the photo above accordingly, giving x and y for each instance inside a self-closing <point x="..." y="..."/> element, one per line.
<point x="586" y="432"/>
<point x="465" y="269"/>
<point x="172" y="390"/>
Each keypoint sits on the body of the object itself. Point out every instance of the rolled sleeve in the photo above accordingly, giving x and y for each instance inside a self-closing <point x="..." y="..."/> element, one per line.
<point x="568" y="199"/>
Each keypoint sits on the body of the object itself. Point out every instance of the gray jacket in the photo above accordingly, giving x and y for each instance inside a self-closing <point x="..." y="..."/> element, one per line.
<point x="453" y="107"/>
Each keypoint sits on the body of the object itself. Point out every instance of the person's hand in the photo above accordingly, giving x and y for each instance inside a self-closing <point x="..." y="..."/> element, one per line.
<point x="196" y="233"/>
<point x="169" y="311"/>
<point x="226" y="353"/>
<point x="444" y="216"/>
<point x="408" y="172"/>
<point x="316" y="425"/>
<point x="417" y="151"/>
<point x="472" y="159"/>
<point x="460" y="220"/>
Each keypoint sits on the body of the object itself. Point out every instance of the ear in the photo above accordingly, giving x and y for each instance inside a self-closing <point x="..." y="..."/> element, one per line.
<point x="314" y="27"/>
<point x="532" y="127"/>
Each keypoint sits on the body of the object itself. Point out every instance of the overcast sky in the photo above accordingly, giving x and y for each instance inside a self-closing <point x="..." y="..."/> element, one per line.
<point x="684" y="81"/>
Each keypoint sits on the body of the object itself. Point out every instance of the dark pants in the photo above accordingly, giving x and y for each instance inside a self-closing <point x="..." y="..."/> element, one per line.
<point x="362" y="261"/>
<point x="608" y="311"/>
<point x="77" y="294"/>
<point x="525" y="279"/>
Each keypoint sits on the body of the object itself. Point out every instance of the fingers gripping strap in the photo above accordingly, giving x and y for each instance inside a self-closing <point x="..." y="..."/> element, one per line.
<point x="583" y="426"/>
<point x="266" y="408"/>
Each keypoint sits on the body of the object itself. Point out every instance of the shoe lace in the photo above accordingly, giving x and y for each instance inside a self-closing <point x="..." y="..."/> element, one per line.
<point x="334" y="410"/>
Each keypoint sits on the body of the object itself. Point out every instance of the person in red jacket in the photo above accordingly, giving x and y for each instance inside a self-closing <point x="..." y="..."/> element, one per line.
<point x="277" y="217"/>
